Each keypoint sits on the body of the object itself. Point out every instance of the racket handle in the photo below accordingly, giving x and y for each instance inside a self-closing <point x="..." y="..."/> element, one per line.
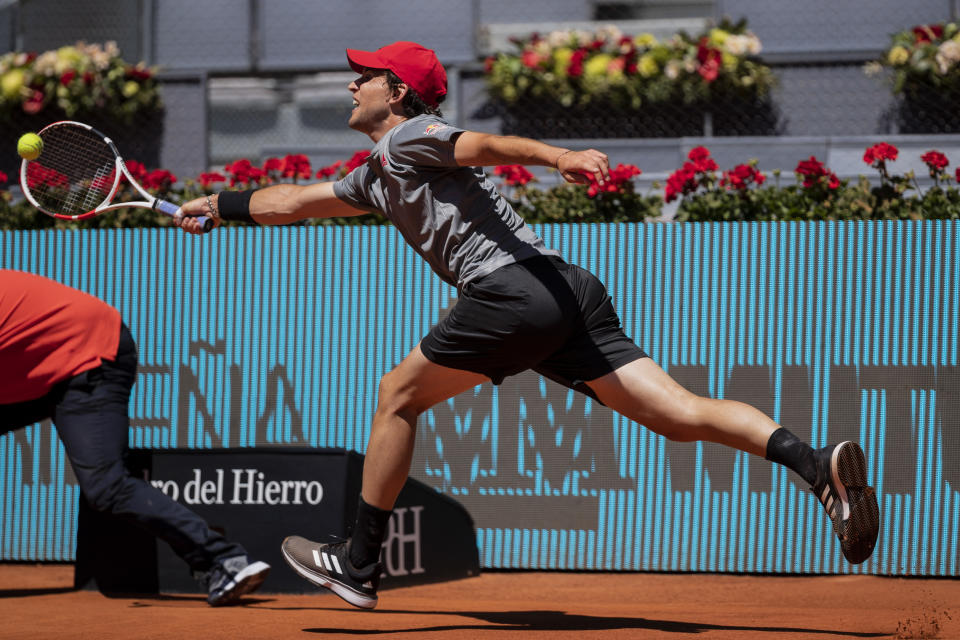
<point x="171" y="210"/>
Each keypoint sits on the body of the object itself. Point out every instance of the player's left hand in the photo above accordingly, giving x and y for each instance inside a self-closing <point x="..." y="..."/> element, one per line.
<point x="579" y="166"/>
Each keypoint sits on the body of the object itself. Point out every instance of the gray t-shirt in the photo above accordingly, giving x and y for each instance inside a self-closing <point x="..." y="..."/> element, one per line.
<point x="452" y="216"/>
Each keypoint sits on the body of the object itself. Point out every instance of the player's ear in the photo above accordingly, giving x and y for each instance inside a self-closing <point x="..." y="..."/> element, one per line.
<point x="399" y="93"/>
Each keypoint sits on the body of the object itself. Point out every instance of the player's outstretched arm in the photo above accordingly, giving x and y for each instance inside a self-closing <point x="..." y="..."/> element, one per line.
<point x="473" y="149"/>
<point x="279" y="204"/>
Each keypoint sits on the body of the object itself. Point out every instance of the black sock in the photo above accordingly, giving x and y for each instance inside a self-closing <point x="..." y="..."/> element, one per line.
<point x="787" y="449"/>
<point x="368" y="534"/>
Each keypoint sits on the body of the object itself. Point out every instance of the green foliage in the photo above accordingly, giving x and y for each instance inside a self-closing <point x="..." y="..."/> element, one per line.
<point x="857" y="201"/>
<point x="571" y="203"/>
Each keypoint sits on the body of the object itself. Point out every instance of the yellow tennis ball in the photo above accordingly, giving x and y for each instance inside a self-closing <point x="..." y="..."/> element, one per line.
<point x="30" y="146"/>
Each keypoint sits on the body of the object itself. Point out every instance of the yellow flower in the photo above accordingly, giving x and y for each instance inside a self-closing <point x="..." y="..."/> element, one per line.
<point x="11" y="84"/>
<point x="898" y="55"/>
<point x="130" y="89"/>
<point x="647" y="66"/>
<point x="718" y="37"/>
<point x="729" y="61"/>
<point x="561" y="60"/>
<point x="68" y="58"/>
<point x="645" y="40"/>
<point x="597" y="65"/>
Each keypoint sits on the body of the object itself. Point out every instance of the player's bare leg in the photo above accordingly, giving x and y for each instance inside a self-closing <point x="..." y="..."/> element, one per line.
<point x="351" y="569"/>
<point x="643" y="392"/>
<point x="414" y="386"/>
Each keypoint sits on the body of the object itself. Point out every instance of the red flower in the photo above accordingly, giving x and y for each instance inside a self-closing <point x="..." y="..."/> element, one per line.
<point x="295" y="166"/>
<point x="326" y="172"/>
<point x="681" y="182"/>
<point x="159" y="179"/>
<point x="814" y="174"/>
<point x="67" y="77"/>
<point x="958" y="174"/>
<point x="137" y="73"/>
<point x="88" y="78"/>
<point x="34" y="103"/>
<point x="879" y="153"/>
<point x="3" y="178"/>
<point x="137" y="170"/>
<point x="243" y="172"/>
<point x="925" y="33"/>
<point x="207" y="179"/>
<point x="532" y="59"/>
<point x="514" y="175"/>
<point x="39" y="175"/>
<point x="619" y="176"/>
<point x="741" y="176"/>
<point x="710" y="60"/>
<point x="357" y="159"/>
<point x="702" y="162"/>
<point x="272" y="164"/>
<point x="575" y="68"/>
<point x="488" y="64"/>
<point x="936" y="161"/>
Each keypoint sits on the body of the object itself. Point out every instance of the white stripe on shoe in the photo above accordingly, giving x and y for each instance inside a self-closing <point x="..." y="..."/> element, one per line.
<point x="835" y="476"/>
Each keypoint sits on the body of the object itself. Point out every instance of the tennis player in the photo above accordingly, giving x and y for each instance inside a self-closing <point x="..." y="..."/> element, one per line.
<point x="67" y="356"/>
<point x="520" y="306"/>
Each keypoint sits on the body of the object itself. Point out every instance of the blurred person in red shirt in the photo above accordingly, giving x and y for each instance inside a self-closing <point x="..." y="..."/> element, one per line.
<point x="68" y="357"/>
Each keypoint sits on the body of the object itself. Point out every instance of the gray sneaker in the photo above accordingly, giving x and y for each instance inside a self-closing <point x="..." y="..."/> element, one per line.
<point x="231" y="578"/>
<point x="842" y="489"/>
<point x="328" y="565"/>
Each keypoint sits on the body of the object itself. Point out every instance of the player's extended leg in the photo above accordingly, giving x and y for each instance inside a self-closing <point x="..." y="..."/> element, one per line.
<point x="351" y="569"/>
<point x="643" y="392"/>
<point x="414" y="386"/>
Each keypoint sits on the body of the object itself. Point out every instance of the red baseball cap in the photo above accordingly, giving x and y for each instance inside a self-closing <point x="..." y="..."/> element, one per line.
<point x="414" y="64"/>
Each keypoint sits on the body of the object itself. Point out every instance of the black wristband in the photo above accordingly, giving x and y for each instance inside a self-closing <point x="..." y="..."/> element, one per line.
<point x="235" y="205"/>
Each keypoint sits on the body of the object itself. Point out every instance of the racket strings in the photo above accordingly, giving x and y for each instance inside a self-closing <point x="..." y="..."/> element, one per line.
<point x="74" y="174"/>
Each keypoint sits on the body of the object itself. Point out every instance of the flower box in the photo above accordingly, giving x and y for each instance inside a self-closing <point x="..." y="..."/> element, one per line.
<point x="577" y="84"/>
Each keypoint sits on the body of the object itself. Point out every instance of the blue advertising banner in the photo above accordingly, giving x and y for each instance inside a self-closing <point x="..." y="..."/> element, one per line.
<point x="837" y="330"/>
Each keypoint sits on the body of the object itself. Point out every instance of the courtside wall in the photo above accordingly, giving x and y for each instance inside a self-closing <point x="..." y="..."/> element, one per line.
<point x="272" y="337"/>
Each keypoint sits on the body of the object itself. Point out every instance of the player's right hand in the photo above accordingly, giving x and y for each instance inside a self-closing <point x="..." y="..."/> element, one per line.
<point x="198" y="207"/>
<point x="579" y="166"/>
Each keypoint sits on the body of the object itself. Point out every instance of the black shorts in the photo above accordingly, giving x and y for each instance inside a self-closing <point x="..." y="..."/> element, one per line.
<point x="541" y="314"/>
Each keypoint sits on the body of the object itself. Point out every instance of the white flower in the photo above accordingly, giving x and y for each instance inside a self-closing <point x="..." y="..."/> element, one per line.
<point x="558" y="39"/>
<point x="736" y="45"/>
<point x="672" y="69"/>
<point x="947" y="55"/>
<point x="610" y="33"/>
<point x="46" y="63"/>
<point x="743" y="44"/>
<point x="873" y="68"/>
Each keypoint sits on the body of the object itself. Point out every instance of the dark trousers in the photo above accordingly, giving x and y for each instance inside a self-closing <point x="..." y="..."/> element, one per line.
<point x="90" y="413"/>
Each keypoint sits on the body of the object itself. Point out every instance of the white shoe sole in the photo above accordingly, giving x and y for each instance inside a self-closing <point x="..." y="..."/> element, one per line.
<point x="246" y="581"/>
<point x="348" y="594"/>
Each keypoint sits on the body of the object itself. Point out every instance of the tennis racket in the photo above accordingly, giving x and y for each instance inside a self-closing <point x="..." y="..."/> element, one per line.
<point x="77" y="174"/>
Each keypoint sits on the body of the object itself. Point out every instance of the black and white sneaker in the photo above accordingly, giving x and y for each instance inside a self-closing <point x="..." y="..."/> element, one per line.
<point x="852" y="505"/>
<point x="231" y="578"/>
<point x="328" y="565"/>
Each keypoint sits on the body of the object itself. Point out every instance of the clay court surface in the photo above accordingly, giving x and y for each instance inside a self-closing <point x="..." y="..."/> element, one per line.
<point x="36" y="601"/>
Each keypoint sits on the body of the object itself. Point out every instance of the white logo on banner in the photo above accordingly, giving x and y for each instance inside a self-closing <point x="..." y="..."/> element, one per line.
<point x="399" y="541"/>
<point x="247" y="486"/>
